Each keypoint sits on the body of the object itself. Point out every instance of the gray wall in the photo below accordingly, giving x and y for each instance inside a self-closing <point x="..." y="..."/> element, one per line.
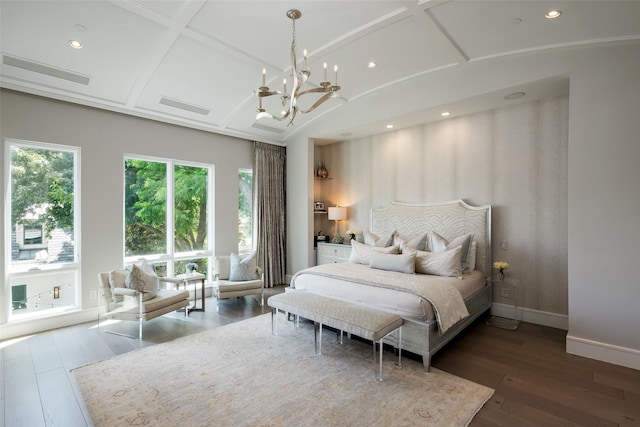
<point x="513" y="159"/>
<point x="104" y="138"/>
<point x="603" y="178"/>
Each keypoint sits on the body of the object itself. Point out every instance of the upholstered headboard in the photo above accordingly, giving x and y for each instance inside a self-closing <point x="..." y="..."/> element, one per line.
<point x="449" y="219"/>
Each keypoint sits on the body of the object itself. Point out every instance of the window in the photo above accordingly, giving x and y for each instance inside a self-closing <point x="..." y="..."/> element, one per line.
<point x="167" y="209"/>
<point x="43" y="250"/>
<point x="245" y="211"/>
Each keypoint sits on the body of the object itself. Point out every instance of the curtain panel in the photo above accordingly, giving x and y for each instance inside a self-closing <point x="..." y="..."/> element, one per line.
<point x="269" y="180"/>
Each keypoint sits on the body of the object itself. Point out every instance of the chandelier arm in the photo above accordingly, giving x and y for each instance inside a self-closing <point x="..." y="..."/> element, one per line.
<point x="319" y="102"/>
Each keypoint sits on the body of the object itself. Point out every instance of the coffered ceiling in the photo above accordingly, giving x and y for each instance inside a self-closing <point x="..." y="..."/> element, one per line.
<point x="198" y="63"/>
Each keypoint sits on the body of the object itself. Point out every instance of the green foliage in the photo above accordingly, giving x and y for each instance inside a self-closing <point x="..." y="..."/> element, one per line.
<point x="42" y="187"/>
<point x="146" y="204"/>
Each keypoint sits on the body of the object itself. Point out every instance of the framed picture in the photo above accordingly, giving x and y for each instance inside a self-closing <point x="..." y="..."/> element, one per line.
<point x="318" y="206"/>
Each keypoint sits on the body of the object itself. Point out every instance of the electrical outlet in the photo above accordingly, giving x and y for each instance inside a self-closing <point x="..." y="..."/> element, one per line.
<point x="504" y="292"/>
<point x="93" y="294"/>
<point x="504" y="245"/>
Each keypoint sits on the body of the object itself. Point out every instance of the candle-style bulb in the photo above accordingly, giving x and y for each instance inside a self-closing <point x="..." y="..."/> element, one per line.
<point x="325" y="71"/>
<point x="335" y="69"/>
<point x="264" y="76"/>
<point x="284" y="83"/>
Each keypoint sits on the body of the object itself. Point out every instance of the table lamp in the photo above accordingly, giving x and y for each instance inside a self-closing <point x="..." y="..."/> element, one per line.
<point x="336" y="214"/>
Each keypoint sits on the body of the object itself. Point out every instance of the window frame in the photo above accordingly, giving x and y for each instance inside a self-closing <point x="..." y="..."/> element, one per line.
<point x="28" y="271"/>
<point x="170" y="257"/>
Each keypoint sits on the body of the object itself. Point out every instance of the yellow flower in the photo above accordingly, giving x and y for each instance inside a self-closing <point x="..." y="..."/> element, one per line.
<point x="501" y="265"/>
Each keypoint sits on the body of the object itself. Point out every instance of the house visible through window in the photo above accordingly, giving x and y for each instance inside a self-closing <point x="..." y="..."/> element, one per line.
<point x="42" y="251"/>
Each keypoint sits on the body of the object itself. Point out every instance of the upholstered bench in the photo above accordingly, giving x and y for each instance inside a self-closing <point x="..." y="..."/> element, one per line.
<point x="347" y="317"/>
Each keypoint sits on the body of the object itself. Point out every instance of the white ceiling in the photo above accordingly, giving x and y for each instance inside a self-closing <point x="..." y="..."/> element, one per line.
<point x="207" y="56"/>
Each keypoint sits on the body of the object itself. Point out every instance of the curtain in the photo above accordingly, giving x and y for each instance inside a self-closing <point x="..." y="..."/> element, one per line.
<point x="269" y="163"/>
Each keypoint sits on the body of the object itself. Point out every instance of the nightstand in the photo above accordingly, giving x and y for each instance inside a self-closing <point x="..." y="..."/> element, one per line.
<point x="506" y="305"/>
<point x="331" y="252"/>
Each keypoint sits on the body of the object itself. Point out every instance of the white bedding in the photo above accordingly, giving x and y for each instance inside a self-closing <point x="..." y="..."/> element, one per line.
<point x="335" y="281"/>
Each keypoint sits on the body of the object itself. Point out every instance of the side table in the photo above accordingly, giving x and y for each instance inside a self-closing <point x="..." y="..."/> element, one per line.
<point x="185" y="279"/>
<point x="507" y="290"/>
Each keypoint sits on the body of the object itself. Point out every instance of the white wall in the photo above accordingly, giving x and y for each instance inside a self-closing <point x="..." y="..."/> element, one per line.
<point x="104" y="138"/>
<point x="604" y="207"/>
<point x="514" y="159"/>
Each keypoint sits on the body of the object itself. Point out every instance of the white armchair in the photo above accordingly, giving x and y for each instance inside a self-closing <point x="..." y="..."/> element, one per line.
<point x="122" y="303"/>
<point x="235" y="277"/>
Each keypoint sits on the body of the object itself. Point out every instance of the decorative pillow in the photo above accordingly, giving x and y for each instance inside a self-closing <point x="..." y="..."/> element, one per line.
<point x="142" y="280"/>
<point x="361" y="253"/>
<point x="243" y="268"/>
<point x="379" y="241"/>
<point x="415" y="242"/>
<point x="405" y="263"/>
<point x="438" y="244"/>
<point x="446" y="263"/>
<point x="117" y="279"/>
<point x="223" y="266"/>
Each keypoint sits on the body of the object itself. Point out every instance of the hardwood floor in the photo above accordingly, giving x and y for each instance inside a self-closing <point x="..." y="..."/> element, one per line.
<point x="536" y="382"/>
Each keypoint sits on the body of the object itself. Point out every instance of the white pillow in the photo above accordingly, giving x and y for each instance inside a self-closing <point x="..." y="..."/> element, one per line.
<point x="361" y="253"/>
<point x="438" y="243"/>
<point x="446" y="263"/>
<point x="379" y="241"/>
<point x="223" y="266"/>
<point x="416" y="242"/>
<point x="243" y="268"/>
<point x="142" y="280"/>
<point x="405" y="263"/>
<point x="471" y="259"/>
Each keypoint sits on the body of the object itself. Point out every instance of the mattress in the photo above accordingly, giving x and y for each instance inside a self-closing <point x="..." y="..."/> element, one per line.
<point x="405" y="304"/>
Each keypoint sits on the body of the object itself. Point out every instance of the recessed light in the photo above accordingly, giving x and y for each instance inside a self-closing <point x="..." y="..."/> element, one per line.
<point x="553" y="14"/>
<point x="372" y="64"/>
<point x="346" y="134"/>
<point x="514" y="95"/>
<point x="445" y="114"/>
<point x="516" y="20"/>
<point x="389" y="126"/>
<point x="76" y="44"/>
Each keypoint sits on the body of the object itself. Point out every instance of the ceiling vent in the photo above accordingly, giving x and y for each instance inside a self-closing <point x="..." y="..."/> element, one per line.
<point x="267" y="128"/>
<point x="45" y="69"/>
<point x="184" y="106"/>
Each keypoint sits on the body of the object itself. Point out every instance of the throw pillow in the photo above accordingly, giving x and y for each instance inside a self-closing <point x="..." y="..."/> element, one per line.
<point x="243" y="268"/>
<point x="417" y="242"/>
<point x="223" y="267"/>
<point x="446" y="263"/>
<point x="379" y="241"/>
<point x="405" y="263"/>
<point x="117" y="279"/>
<point x="142" y="281"/>
<point x="438" y="244"/>
<point x="361" y="253"/>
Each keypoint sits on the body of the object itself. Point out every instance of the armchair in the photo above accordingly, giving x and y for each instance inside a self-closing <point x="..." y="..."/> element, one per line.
<point x="122" y="303"/>
<point x="235" y="277"/>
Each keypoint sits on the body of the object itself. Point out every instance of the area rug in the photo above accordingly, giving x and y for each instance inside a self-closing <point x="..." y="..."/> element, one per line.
<point x="242" y="375"/>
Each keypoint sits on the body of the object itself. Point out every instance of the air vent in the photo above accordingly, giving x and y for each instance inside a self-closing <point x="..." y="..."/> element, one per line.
<point x="184" y="106"/>
<point x="45" y="69"/>
<point x="267" y="128"/>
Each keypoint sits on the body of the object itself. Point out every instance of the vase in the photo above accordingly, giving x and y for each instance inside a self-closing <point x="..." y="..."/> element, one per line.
<point x="322" y="170"/>
<point x="500" y="275"/>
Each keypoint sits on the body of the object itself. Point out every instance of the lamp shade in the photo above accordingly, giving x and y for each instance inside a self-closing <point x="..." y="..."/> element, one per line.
<point x="337" y="213"/>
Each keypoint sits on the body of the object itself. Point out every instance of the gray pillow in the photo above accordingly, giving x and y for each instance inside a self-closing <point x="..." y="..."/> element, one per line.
<point x="405" y="263"/>
<point x="243" y="268"/>
<point x="142" y="281"/>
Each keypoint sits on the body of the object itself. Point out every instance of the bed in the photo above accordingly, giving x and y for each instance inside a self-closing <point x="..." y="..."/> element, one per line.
<point x="435" y="308"/>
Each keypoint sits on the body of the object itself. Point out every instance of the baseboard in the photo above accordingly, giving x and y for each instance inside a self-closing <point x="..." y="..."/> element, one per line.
<point x="553" y="320"/>
<point x="32" y="326"/>
<point x="604" y="352"/>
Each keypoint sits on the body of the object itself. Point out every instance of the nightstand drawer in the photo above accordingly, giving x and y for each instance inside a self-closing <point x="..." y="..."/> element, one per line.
<point x="329" y="253"/>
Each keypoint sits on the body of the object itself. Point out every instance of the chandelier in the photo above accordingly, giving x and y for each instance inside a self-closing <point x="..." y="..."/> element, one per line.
<point x="290" y="100"/>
